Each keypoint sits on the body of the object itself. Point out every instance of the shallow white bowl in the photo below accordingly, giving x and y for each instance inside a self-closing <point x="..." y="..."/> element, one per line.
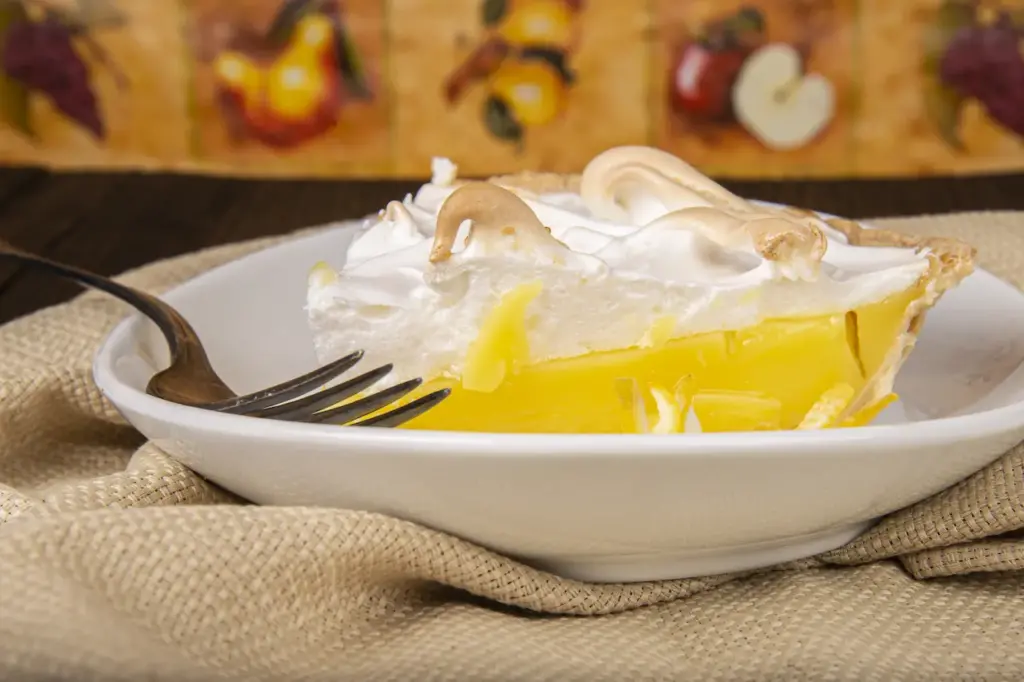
<point x="592" y="507"/>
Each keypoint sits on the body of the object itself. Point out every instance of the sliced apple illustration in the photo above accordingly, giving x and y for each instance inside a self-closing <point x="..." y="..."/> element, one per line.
<point x="777" y="102"/>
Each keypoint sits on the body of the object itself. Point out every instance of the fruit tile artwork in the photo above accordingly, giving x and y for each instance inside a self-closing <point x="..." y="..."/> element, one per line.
<point x="92" y="83"/>
<point x="376" y="88"/>
<point x="944" y="85"/>
<point x="505" y="85"/>
<point x="289" y="86"/>
<point x="756" y="87"/>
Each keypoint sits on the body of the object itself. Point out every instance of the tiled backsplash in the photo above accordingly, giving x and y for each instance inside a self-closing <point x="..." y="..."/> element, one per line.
<point x="372" y="88"/>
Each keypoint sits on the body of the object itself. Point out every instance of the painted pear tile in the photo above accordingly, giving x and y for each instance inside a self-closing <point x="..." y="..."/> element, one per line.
<point x="290" y="87"/>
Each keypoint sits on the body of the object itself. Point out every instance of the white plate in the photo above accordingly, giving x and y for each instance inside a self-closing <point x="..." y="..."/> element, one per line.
<point x="593" y="507"/>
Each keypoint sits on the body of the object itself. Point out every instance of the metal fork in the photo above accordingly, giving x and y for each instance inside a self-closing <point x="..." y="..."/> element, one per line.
<point x="190" y="380"/>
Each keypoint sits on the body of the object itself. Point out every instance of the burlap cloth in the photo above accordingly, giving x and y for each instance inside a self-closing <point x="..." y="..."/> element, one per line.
<point x="117" y="563"/>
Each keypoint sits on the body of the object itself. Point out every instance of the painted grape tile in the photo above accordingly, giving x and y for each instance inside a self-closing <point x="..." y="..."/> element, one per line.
<point x="944" y="87"/>
<point x="92" y="82"/>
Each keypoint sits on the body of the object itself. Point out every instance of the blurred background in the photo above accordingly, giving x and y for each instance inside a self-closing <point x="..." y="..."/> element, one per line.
<point x="375" y="88"/>
<point x="136" y="130"/>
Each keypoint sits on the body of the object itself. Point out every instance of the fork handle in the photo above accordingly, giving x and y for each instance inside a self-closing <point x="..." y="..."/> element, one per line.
<point x="144" y="303"/>
<point x="70" y="272"/>
<point x="180" y="337"/>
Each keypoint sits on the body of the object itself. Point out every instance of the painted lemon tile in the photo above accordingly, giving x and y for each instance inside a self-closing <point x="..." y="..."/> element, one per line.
<point x="756" y="87"/>
<point x="290" y="87"/>
<point x="505" y="85"/>
<point x="94" y="82"/>
<point x="943" y="85"/>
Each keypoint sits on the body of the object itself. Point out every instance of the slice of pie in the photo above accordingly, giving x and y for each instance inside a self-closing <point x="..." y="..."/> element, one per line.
<point x="639" y="296"/>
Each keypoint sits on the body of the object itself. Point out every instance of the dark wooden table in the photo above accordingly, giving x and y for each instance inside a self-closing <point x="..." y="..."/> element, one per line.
<point x="109" y="223"/>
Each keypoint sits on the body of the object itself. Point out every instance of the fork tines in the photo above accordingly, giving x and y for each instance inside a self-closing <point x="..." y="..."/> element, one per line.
<point x="299" y="399"/>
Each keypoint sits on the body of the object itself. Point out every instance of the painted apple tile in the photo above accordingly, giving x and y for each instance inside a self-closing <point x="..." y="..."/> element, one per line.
<point x="756" y="88"/>
<point x="289" y="87"/>
<point x="504" y="85"/>
<point x="92" y="83"/>
<point x="944" y="85"/>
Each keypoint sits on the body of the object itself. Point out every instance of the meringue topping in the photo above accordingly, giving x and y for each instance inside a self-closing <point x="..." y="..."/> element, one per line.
<point x="640" y="241"/>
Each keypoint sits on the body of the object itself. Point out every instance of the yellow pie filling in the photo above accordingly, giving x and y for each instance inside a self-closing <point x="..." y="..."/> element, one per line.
<point x="779" y="374"/>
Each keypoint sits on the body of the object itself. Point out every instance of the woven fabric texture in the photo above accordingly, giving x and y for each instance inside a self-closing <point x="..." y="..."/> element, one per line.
<point x="117" y="563"/>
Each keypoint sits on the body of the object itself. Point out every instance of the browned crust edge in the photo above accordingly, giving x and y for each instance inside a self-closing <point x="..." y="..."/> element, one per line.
<point x="953" y="260"/>
<point x="950" y="262"/>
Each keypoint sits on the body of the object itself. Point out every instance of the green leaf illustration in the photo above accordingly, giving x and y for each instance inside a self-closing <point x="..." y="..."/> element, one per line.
<point x="14" y="97"/>
<point x="951" y="16"/>
<point x="492" y="12"/>
<point x="1016" y="16"/>
<point x="349" y="63"/>
<point x="291" y="13"/>
<point x="943" y="105"/>
<point x="100" y="13"/>
<point x="500" y="121"/>
<point x="555" y="58"/>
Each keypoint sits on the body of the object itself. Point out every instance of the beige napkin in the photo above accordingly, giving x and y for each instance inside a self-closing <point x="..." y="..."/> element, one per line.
<point x="116" y="563"/>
